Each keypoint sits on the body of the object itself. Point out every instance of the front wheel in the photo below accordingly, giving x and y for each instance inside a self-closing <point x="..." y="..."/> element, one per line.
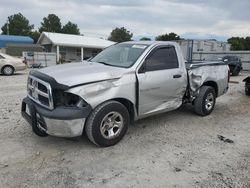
<point x="8" y="70"/>
<point x="107" y="124"/>
<point x="205" y="101"/>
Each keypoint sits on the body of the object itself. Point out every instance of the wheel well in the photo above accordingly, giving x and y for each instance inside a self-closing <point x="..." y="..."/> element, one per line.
<point x="212" y="84"/>
<point x="129" y="105"/>
<point x="7" y="66"/>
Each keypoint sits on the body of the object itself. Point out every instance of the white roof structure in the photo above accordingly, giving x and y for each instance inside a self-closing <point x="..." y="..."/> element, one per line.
<point x="60" y="39"/>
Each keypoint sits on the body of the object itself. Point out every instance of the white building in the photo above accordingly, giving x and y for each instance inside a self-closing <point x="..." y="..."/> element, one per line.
<point x="189" y="47"/>
<point x="72" y="47"/>
<point x="211" y="50"/>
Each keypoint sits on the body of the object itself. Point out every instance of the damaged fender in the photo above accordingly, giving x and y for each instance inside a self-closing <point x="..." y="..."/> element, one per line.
<point x="99" y="92"/>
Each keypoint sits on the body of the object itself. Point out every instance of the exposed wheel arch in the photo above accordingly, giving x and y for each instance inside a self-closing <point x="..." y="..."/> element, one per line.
<point x="213" y="85"/>
<point x="130" y="107"/>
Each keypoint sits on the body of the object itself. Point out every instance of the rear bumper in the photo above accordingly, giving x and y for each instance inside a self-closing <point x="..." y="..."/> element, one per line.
<point x="62" y="121"/>
<point x="20" y="67"/>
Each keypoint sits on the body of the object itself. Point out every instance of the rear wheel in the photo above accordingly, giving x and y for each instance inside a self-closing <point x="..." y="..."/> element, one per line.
<point x="247" y="91"/>
<point x="236" y="71"/>
<point x="8" y="70"/>
<point x="205" y="101"/>
<point x="107" y="124"/>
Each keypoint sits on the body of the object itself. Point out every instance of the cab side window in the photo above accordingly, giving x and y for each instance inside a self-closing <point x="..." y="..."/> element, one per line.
<point x="162" y="58"/>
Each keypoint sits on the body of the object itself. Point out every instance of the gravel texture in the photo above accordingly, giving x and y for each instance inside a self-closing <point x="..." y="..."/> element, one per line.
<point x="175" y="149"/>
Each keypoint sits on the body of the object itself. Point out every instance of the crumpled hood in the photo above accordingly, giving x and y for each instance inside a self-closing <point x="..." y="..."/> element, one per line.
<point x="72" y="74"/>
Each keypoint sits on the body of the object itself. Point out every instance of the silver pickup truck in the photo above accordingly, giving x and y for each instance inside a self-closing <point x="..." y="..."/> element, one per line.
<point x="123" y="83"/>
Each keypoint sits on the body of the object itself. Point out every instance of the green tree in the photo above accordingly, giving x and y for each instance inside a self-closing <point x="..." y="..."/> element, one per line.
<point x="120" y="35"/>
<point x="35" y="35"/>
<point x="239" y="43"/>
<point x="17" y="24"/>
<point x="168" y="37"/>
<point x="247" y="43"/>
<point x="70" y="28"/>
<point x="51" y="23"/>
<point x="145" y="39"/>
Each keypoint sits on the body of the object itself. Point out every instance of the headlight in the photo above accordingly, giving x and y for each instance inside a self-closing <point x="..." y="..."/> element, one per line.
<point x="70" y="100"/>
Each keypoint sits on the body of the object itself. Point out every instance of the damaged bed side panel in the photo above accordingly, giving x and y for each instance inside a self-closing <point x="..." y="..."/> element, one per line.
<point x="198" y="76"/>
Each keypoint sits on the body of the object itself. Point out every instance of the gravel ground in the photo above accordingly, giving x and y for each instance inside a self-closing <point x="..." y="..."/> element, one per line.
<point x="175" y="149"/>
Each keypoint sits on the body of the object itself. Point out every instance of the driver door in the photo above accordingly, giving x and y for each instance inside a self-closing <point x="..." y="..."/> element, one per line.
<point x="161" y="81"/>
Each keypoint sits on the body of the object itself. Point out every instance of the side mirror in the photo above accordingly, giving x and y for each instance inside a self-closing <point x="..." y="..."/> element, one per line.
<point x="225" y="60"/>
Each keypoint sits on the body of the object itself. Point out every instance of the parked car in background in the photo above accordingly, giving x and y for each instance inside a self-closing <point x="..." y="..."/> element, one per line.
<point x="9" y="64"/>
<point x="247" y="85"/>
<point x="234" y="64"/>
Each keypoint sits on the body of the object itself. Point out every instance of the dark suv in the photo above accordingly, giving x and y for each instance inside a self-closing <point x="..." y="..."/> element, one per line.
<point x="234" y="64"/>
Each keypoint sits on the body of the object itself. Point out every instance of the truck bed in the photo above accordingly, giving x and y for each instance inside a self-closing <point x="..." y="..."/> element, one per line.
<point x="206" y="72"/>
<point x="195" y="64"/>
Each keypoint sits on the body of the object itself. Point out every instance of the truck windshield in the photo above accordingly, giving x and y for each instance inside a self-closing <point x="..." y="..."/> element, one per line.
<point x="120" y="55"/>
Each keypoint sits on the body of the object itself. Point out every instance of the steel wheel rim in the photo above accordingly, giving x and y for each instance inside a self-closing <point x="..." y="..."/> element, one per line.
<point x="209" y="101"/>
<point x="8" y="70"/>
<point x="112" y="125"/>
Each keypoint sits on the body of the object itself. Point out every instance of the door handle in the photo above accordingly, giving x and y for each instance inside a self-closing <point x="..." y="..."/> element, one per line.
<point x="177" y="76"/>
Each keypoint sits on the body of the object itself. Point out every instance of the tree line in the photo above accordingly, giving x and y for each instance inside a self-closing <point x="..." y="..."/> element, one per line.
<point x="239" y="43"/>
<point x="122" y="35"/>
<point x="17" y="24"/>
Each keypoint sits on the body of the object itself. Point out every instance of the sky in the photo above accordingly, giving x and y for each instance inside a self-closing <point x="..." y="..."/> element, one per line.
<point x="193" y="19"/>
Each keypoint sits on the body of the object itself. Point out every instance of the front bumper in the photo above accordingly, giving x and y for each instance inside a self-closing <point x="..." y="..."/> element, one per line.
<point x="62" y="121"/>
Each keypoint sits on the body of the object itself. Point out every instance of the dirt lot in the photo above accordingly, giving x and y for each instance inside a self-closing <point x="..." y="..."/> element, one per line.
<point x="176" y="149"/>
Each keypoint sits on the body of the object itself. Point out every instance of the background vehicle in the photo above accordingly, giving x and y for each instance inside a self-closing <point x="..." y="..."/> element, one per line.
<point x="247" y="85"/>
<point x="234" y="64"/>
<point x="123" y="83"/>
<point x="9" y="64"/>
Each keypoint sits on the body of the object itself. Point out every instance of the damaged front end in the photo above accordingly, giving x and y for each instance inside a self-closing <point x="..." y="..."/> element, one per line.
<point x="51" y="110"/>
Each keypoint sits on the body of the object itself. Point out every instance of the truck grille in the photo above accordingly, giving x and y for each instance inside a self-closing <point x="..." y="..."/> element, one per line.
<point x="40" y="92"/>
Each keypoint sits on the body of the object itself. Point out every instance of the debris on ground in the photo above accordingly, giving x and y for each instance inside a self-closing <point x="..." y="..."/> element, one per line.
<point x="4" y="165"/>
<point x="224" y="139"/>
<point x="233" y="82"/>
<point x="177" y="169"/>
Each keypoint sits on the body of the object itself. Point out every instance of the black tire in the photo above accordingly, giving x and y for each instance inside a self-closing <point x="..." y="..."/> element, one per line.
<point x="200" y="106"/>
<point x="99" y="115"/>
<point x="236" y="71"/>
<point x="247" y="91"/>
<point x="8" y="70"/>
